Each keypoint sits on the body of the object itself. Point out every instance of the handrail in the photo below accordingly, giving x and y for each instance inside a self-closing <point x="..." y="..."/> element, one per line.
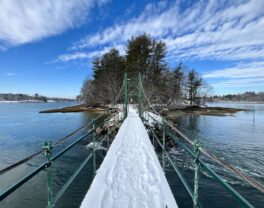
<point x="241" y="200"/>
<point x="70" y="180"/>
<point x="229" y="167"/>
<point x="19" y="183"/>
<point x="10" y="167"/>
<point x="229" y="188"/>
<point x="48" y="146"/>
<point x="48" y="163"/>
<point x="175" y="167"/>
<point x="198" y="162"/>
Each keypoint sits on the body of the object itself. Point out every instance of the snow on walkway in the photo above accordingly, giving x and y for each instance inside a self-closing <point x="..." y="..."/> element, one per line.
<point x="130" y="175"/>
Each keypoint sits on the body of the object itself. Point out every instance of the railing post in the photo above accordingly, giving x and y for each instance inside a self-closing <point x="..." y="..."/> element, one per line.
<point x="126" y="95"/>
<point x="107" y="130"/>
<point x="139" y="96"/>
<point x="94" y="153"/>
<point x="196" y="174"/>
<point x="163" y="142"/>
<point x="153" y="138"/>
<point x="148" y="119"/>
<point x="108" y="139"/>
<point x="48" y="152"/>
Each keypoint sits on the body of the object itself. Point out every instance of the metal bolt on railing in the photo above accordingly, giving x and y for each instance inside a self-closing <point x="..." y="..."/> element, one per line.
<point x="48" y="153"/>
<point x="108" y="138"/>
<point x="94" y="153"/>
<point x="153" y="142"/>
<point x="163" y="142"/>
<point x="197" y="146"/>
<point x="139" y="96"/>
<point x="126" y="96"/>
<point x="148" y="118"/>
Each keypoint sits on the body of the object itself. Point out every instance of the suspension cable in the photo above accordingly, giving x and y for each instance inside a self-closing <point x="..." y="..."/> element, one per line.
<point x="119" y="93"/>
<point x="228" y="166"/>
<point x="12" y="166"/>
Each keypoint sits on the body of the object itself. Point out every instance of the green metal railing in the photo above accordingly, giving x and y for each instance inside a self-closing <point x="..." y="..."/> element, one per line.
<point x="194" y="194"/>
<point x="165" y="154"/>
<point x="47" y="166"/>
<point x="146" y="116"/>
<point x="139" y="96"/>
<point x="126" y="95"/>
<point x="48" y="149"/>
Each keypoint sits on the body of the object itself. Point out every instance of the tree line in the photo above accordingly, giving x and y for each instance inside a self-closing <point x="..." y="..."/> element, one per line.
<point x="147" y="56"/>
<point x="247" y="96"/>
<point x="24" y="97"/>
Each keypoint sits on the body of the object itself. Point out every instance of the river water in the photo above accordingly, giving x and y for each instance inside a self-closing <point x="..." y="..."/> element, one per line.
<point x="238" y="139"/>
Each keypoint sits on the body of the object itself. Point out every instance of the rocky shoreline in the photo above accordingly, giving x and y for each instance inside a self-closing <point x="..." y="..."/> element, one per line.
<point x="74" y="109"/>
<point x="191" y="110"/>
<point x="198" y="110"/>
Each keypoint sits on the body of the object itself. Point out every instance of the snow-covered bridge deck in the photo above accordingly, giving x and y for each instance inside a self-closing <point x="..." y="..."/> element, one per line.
<point x="130" y="175"/>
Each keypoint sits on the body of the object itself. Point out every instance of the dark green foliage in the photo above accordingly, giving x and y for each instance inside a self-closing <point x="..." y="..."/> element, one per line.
<point x="194" y="82"/>
<point x="108" y="77"/>
<point x="138" y="55"/>
<point x="176" y="81"/>
<point x="27" y="98"/>
<point x="146" y="56"/>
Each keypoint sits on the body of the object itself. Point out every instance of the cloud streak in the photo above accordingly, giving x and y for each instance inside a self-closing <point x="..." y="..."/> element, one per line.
<point x="88" y="55"/>
<point x="236" y="83"/>
<point x="252" y="69"/>
<point x="30" y="20"/>
<point x="10" y="74"/>
<point x="242" y="75"/>
<point x="205" y="30"/>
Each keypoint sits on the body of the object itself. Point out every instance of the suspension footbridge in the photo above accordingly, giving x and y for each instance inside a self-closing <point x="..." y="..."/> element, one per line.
<point x="131" y="174"/>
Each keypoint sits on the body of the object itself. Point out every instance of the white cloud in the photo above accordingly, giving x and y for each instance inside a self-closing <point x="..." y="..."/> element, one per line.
<point x="23" y="21"/>
<point x="240" y="76"/>
<point x="10" y="74"/>
<point x="206" y="30"/>
<point x="89" y="55"/>
<point x="240" y="83"/>
<point x="216" y="30"/>
<point x="155" y="25"/>
<point x="252" y="69"/>
<point x="73" y="56"/>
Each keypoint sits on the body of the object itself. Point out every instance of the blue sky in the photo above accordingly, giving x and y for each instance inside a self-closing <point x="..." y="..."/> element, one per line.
<point x="46" y="46"/>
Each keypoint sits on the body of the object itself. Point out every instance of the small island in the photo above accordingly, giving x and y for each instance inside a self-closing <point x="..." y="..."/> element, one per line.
<point x="173" y="90"/>
<point x="75" y="108"/>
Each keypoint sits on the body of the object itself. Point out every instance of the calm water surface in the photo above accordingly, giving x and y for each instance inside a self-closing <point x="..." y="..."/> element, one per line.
<point x="23" y="131"/>
<point x="238" y="139"/>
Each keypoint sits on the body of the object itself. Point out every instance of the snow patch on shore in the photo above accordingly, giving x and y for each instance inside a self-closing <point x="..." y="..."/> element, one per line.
<point x="91" y="146"/>
<point x="152" y="118"/>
